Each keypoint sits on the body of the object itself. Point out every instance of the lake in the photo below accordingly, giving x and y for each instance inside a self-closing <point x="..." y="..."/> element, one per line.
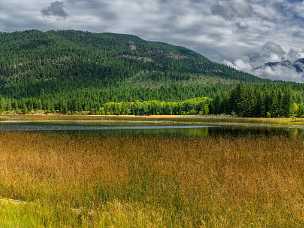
<point x="127" y="128"/>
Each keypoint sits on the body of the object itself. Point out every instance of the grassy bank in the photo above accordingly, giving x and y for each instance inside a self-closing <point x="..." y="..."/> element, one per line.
<point x="149" y="181"/>
<point x="153" y="119"/>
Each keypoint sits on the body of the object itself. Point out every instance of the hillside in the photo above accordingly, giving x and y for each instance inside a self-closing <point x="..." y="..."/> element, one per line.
<point x="81" y="71"/>
<point x="34" y="62"/>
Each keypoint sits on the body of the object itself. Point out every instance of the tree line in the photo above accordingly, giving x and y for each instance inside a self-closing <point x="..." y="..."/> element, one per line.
<point x="261" y="101"/>
<point x="245" y="100"/>
<point x="193" y="106"/>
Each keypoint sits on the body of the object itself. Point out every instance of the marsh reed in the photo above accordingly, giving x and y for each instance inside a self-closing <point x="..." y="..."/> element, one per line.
<point x="150" y="181"/>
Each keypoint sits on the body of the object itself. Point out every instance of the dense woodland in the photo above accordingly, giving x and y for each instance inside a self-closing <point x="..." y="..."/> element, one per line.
<point x="188" y="107"/>
<point x="72" y="71"/>
<point x="272" y="100"/>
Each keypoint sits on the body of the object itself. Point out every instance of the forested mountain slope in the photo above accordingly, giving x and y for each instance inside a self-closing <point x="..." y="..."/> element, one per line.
<point x="34" y="62"/>
<point x="81" y="71"/>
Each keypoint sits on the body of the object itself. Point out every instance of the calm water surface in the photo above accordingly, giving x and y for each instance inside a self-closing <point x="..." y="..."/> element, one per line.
<point x="164" y="130"/>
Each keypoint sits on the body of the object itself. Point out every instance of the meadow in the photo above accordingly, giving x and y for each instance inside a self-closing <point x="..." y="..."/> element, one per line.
<point x="93" y="180"/>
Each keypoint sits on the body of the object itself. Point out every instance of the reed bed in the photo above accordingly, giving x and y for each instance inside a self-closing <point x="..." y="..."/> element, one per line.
<point x="90" y="180"/>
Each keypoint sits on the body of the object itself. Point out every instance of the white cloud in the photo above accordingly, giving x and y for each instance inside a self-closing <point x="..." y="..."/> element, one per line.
<point x="220" y="29"/>
<point x="280" y="73"/>
<point x="242" y="65"/>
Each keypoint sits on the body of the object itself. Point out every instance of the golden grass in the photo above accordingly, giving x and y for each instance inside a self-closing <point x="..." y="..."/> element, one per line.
<point x="151" y="120"/>
<point x="149" y="181"/>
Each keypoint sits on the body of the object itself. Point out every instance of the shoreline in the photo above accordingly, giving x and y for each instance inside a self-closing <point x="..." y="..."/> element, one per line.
<point x="149" y="120"/>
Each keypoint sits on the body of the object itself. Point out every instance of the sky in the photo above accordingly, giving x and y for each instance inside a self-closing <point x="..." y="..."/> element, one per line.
<point x="242" y="33"/>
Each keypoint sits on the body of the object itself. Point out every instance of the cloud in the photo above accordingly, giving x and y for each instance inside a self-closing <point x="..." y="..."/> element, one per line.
<point x="294" y="8"/>
<point x="280" y="73"/>
<point x="269" y="52"/>
<point x="294" y="55"/>
<point x="271" y="61"/>
<point x="55" y="9"/>
<point x="232" y="9"/>
<point x="219" y="29"/>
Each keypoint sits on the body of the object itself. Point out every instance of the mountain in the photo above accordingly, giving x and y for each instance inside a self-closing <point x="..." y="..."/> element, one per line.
<point x="299" y="66"/>
<point x="272" y="61"/>
<point x="274" y="65"/>
<point x="71" y="71"/>
<point x="288" y="68"/>
<point x="34" y="63"/>
<point x="269" y="52"/>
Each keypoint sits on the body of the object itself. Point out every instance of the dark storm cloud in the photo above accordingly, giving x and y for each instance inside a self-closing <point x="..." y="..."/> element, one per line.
<point x="55" y="9"/>
<point x="229" y="30"/>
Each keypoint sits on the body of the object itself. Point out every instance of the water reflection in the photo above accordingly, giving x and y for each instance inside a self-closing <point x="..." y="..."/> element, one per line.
<point x="295" y="133"/>
<point x="163" y="131"/>
<point x="223" y="131"/>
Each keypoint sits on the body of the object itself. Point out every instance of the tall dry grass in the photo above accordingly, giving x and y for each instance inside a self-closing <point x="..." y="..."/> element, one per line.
<point x="149" y="181"/>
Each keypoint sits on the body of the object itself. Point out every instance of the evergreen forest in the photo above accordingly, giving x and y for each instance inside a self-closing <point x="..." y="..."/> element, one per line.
<point x="115" y="74"/>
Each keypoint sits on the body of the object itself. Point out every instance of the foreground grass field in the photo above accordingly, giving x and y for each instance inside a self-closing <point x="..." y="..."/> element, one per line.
<point x="72" y="180"/>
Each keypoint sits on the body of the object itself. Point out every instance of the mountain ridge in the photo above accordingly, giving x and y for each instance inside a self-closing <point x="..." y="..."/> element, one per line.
<point x="35" y="63"/>
<point x="294" y="67"/>
<point x="74" y="71"/>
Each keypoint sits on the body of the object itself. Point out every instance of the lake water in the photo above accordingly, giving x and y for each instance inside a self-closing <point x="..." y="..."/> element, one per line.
<point x="163" y="130"/>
